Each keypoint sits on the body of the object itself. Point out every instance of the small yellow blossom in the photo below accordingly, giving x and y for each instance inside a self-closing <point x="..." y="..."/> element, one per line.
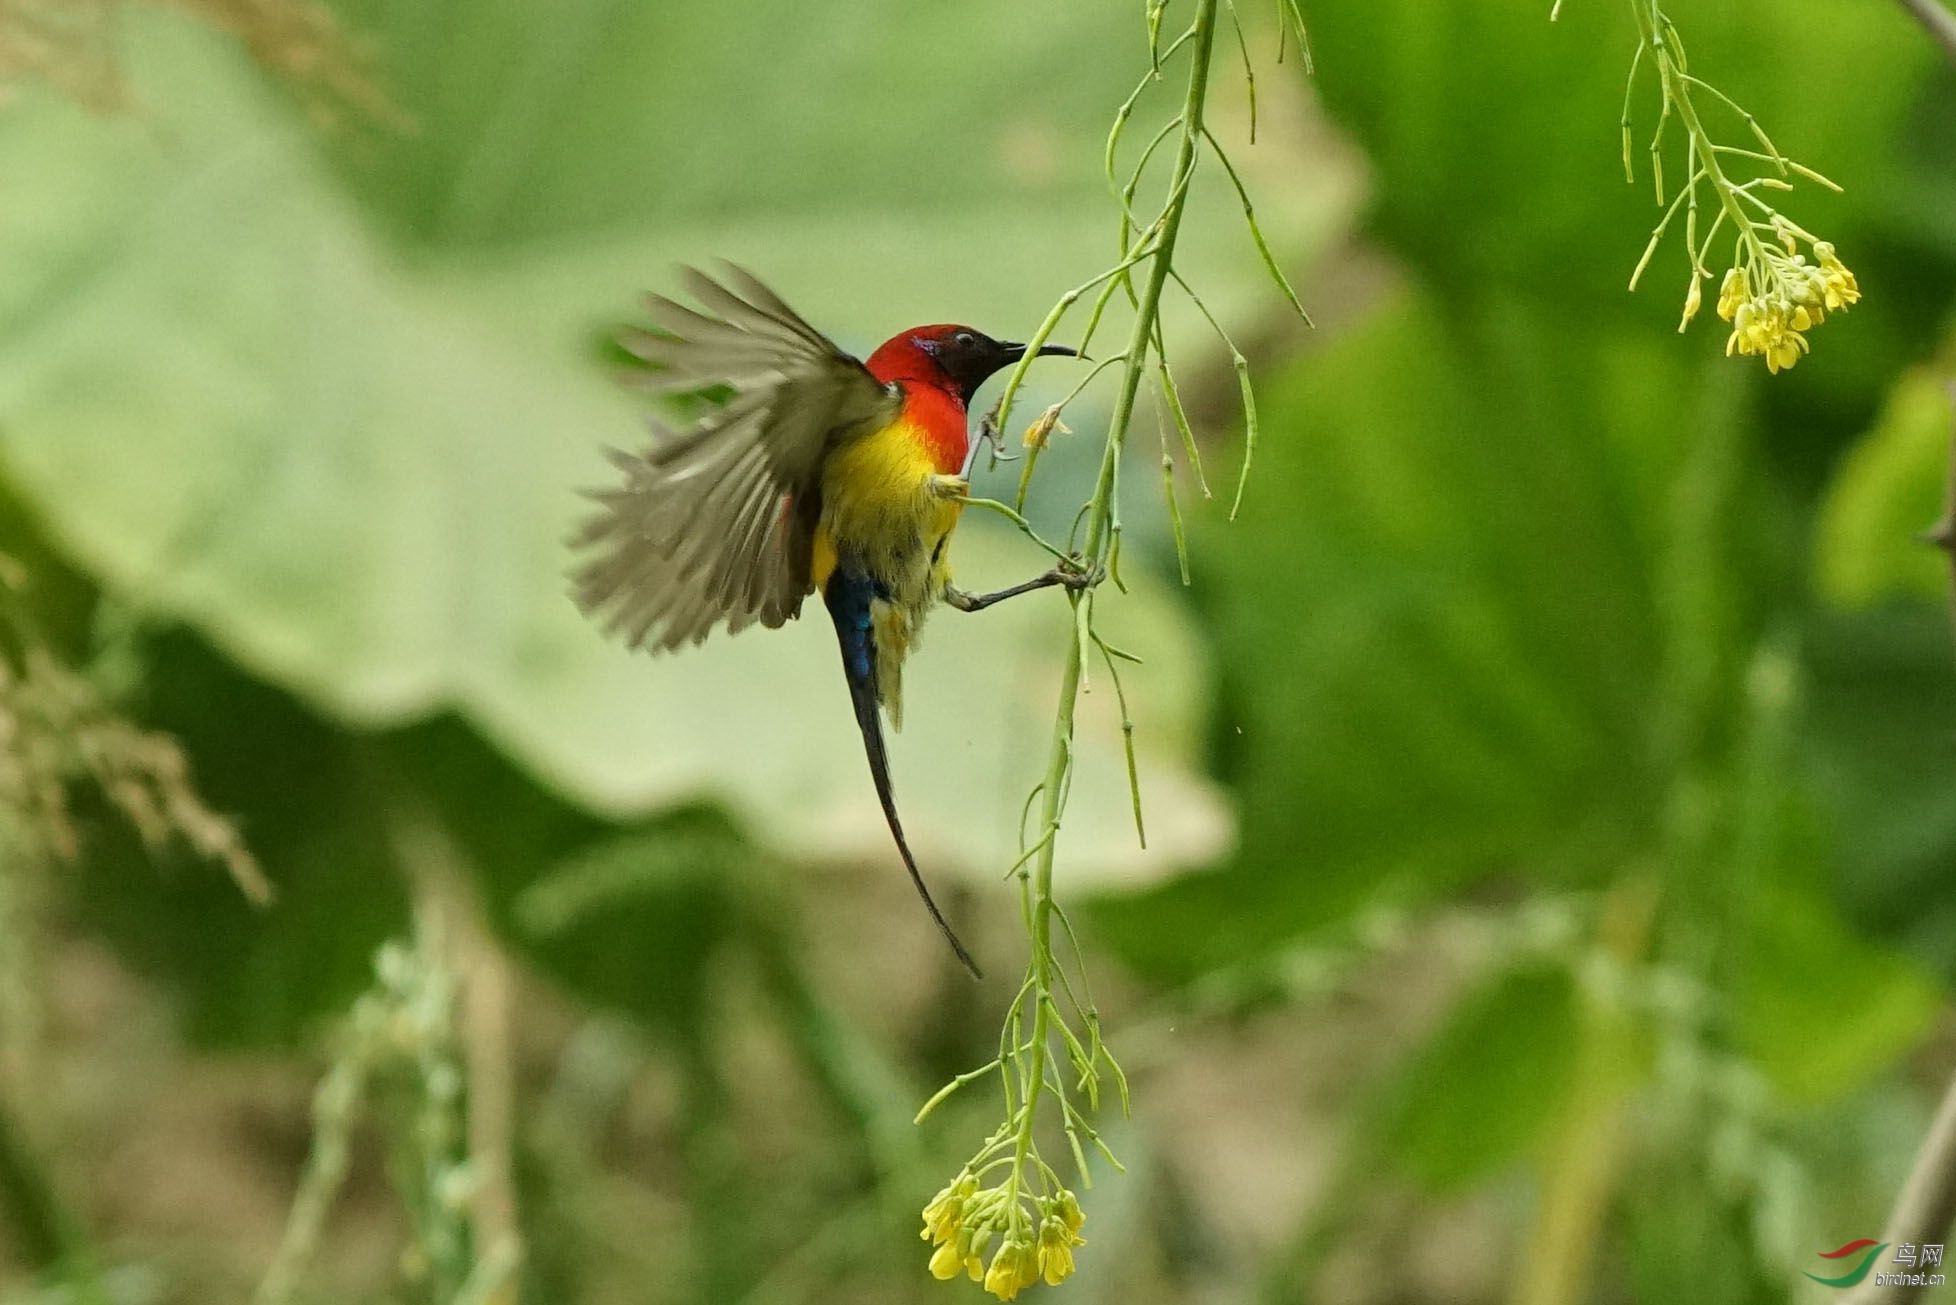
<point x="1770" y="293"/>
<point x="1794" y="297"/>
<point x="1770" y="329"/>
<point x="1036" y="1234"/>
<point x="1046" y="425"/>
<point x="1014" y="1268"/>
<point x="954" y="1255"/>
<point x="945" y="1262"/>
<point x="1785" y="351"/>
<point x="1067" y="1207"/>
<point x="1838" y="284"/>
<point x="1731" y="293"/>
<point x="946" y="1209"/>
<point x="1056" y="1243"/>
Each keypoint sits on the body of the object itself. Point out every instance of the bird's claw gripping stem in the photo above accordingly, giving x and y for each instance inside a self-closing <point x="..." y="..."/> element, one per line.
<point x="1071" y="574"/>
<point x="1075" y="574"/>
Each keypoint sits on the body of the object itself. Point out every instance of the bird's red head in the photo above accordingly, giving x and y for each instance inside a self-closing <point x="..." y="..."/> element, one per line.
<point x="951" y="358"/>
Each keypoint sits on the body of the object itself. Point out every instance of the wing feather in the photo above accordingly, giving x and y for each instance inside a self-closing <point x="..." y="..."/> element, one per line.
<point x="713" y="525"/>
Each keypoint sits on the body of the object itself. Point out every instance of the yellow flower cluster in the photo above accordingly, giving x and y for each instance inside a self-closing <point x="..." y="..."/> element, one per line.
<point x="1777" y="299"/>
<point x="961" y="1220"/>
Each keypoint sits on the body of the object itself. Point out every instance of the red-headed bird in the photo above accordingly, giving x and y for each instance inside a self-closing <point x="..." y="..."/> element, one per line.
<point x="820" y="472"/>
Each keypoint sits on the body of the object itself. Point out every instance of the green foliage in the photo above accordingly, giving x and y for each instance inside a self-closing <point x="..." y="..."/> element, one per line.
<point x="354" y="472"/>
<point x="253" y="976"/>
<point x="1890" y="489"/>
<point x="1528" y="599"/>
<point x="634" y="922"/>
<point x="1820" y="1010"/>
<point x="1495" y="132"/>
<point x="1489" y="1084"/>
<point x="1497" y="592"/>
<point x="1521" y="600"/>
<point x="1881" y="691"/>
<point x="1483" y="640"/>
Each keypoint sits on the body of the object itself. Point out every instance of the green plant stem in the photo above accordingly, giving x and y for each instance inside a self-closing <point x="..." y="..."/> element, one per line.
<point x="1099" y="520"/>
<point x="336" y="1104"/>
<point x="1677" y="95"/>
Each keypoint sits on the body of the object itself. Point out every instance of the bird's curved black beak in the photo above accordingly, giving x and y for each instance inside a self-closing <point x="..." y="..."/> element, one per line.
<point x="1015" y="350"/>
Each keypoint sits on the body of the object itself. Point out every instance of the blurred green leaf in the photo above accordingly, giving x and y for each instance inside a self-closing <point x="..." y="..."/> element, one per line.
<point x="1483" y="1090"/>
<point x="1818" y="1009"/>
<point x="1684" y="1240"/>
<point x="1495" y="132"/>
<point x="1888" y="491"/>
<point x="1879" y="751"/>
<point x="1444" y="621"/>
<point x="1493" y="612"/>
<point x="622" y="918"/>
<point x="632" y="922"/>
<point x="238" y="403"/>
<point x="527" y="133"/>
<point x="249" y="976"/>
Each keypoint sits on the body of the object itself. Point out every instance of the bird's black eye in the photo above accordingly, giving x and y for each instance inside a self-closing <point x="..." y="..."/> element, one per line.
<point x="964" y="340"/>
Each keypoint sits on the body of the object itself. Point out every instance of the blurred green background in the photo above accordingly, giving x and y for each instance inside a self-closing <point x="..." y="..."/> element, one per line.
<point x="1549" y="893"/>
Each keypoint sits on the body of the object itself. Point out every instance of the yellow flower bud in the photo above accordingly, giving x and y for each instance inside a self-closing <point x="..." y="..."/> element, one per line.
<point x="946" y="1209"/>
<point x="1067" y="1206"/>
<point x="1731" y="293"/>
<point x="1014" y="1268"/>
<point x="1692" y="299"/>
<point x="950" y="1257"/>
<point x="1784" y="352"/>
<point x="1044" y="427"/>
<point x="1056" y="1242"/>
<point x="1838" y="286"/>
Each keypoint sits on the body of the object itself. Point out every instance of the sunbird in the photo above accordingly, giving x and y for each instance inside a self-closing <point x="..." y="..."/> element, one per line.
<point x="819" y="472"/>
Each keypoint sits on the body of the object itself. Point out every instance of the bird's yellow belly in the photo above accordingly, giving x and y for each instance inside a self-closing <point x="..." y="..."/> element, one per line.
<point x="881" y="513"/>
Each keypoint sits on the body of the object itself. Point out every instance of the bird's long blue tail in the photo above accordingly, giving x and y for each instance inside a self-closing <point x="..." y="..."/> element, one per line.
<point x="848" y="595"/>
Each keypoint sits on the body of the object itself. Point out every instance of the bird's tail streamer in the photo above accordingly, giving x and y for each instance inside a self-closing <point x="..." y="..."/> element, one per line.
<point x="848" y="597"/>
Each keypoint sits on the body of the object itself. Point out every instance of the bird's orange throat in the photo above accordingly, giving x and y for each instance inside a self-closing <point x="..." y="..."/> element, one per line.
<point x="932" y="415"/>
<point x="939" y="419"/>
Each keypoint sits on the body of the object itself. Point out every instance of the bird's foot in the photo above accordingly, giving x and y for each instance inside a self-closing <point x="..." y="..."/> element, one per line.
<point x="1075" y="574"/>
<point x="949" y="487"/>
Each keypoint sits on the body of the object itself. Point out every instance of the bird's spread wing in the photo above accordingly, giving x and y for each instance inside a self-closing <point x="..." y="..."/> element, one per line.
<point x="715" y="524"/>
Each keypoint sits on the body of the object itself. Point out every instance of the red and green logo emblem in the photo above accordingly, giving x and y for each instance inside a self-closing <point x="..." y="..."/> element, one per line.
<point x="1865" y="1247"/>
